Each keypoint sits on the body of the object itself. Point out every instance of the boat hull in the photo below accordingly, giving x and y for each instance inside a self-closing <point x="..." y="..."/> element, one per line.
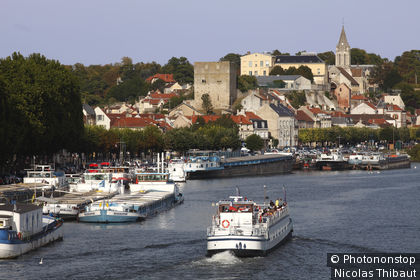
<point x="253" y="167"/>
<point x="248" y="246"/>
<point x="15" y="248"/>
<point x="108" y="216"/>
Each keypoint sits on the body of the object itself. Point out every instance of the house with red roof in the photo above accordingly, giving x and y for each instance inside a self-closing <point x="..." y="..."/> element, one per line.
<point x="154" y="101"/>
<point x="357" y="99"/>
<point x="320" y="117"/>
<point x="167" y="78"/>
<point x="365" y="108"/>
<point x="398" y="114"/>
<point x="304" y="120"/>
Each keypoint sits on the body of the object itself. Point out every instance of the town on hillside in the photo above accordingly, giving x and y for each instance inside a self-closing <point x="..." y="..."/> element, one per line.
<point x="284" y="99"/>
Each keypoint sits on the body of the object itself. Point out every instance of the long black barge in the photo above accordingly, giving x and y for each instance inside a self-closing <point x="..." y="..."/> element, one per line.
<point x="247" y="166"/>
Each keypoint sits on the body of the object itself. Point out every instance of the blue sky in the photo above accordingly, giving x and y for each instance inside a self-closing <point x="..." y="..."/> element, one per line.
<point x="103" y="31"/>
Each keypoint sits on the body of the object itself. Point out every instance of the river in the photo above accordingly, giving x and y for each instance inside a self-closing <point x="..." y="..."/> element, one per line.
<point x="347" y="211"/>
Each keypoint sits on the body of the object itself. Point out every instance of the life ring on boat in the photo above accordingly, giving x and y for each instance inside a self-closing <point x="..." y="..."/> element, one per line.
<point x="19" y="235"/>
<point x="225" y="224"/>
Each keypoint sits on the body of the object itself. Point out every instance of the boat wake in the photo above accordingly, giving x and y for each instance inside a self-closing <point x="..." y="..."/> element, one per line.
<point x="166" y="245"/>
<point x="224" y="258"/>
<point x="334" y="244"/>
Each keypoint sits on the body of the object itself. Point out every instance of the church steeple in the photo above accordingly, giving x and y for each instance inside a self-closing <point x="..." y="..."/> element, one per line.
<point x="342" y="51"/>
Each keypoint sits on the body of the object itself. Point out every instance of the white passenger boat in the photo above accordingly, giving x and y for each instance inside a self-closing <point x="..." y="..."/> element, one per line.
<point x="45" y="174"/>
<point x="93" y="180"/>
<point x="247" y="228"/>
<point x="23" y="228"/>
<point x="176" y="170"/>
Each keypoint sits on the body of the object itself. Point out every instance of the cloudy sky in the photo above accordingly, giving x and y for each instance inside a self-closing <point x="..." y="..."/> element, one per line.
<point x="103" y="31"/>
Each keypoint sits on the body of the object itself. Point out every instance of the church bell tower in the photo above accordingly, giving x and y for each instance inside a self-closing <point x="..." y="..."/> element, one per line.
<point x="342" y="51"/>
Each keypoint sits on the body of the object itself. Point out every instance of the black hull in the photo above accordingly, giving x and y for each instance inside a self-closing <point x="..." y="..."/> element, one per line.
<point x="251" y="253"/>
<point x="331" y="165"/>
<point x="282" y="166"/>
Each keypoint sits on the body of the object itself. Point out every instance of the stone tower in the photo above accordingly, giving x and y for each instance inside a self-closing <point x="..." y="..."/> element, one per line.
<point x="342" y="51"/>
<point x="218" y="80"/>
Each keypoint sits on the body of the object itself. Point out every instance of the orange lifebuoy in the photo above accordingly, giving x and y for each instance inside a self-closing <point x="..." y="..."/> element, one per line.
<point x="225" y="224"/>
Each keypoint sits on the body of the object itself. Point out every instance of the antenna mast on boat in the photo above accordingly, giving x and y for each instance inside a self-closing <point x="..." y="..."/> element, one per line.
<point x="265" y="194"/>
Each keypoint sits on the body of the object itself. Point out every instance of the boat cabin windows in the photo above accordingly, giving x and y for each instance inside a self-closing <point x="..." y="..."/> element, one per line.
<point x="96" y="176"/>
<point x="236" y="207"/>
<point x="39" y="175"/>
<point x="152" y="177"/>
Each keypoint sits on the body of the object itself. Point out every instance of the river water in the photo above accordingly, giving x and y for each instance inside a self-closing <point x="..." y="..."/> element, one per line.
<point x="347" y="211"/>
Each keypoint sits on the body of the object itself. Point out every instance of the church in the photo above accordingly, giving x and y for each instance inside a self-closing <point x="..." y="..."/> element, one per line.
<point x="347" y="80"/>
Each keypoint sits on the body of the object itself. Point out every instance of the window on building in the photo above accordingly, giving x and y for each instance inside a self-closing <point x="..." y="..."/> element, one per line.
<point x="256" y="63"/>
<point x="261" y="63"/>
<point x="100" y="117"/>
<point x="250" y="64"/>
<point x="267" y="63"/>
<point x="265" y="73"/>
<point x="256" y="73"/>
<point x="203" y="81"/>
<point x="319" y="71"/>
<point x="250" y="73"/>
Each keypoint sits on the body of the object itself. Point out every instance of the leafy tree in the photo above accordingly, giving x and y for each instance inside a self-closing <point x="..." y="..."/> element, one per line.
<point x="408" y="66"/>
<point x="296" y="98"/>
<point x="233" y="57"/>
<point x="158" y="85"/>
<point x="359" y="56"/>
<point x="226" y="121"/>
<point x="181" y="68"/>
<point x="327" y="57"/>
<point x="277" y="52"/>
<point x="306" y="72"/>
<point x="246" y="83"/>
<point x="410" y="97"/>
<point x="129" y="90"/>
<point x="254" y="142"/>
<point x="278" y="84"/>
<point x="207" y="105"/>
<point x="277" y="70"/>
<point x="41" y="107"/>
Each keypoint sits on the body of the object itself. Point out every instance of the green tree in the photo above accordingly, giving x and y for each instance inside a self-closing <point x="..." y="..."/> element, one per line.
<point x="306" y="72"/>
<point x="278" y="84"/>
<point x="206" y="103"/>
<point x="277" y="70"/>
<point x="233" y="57"/>
<point x="277" y="52"/>
<point x="181" y="68"/>
<point x="41" y="107"/>
<point x="254" y="142"/>
<point x="246" y="83"/>
<point x="296" y="98"/>
<point x="408" y="66"/>
<point x="129" y="90"/>
<point x="359" y="57"/>
<point x="327" y="57"/>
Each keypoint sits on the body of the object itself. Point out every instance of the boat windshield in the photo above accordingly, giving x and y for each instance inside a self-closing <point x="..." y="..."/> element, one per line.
<point x="39" y="174"/>
<point x="152" y="177"/>
<point x="96" y="176"/>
